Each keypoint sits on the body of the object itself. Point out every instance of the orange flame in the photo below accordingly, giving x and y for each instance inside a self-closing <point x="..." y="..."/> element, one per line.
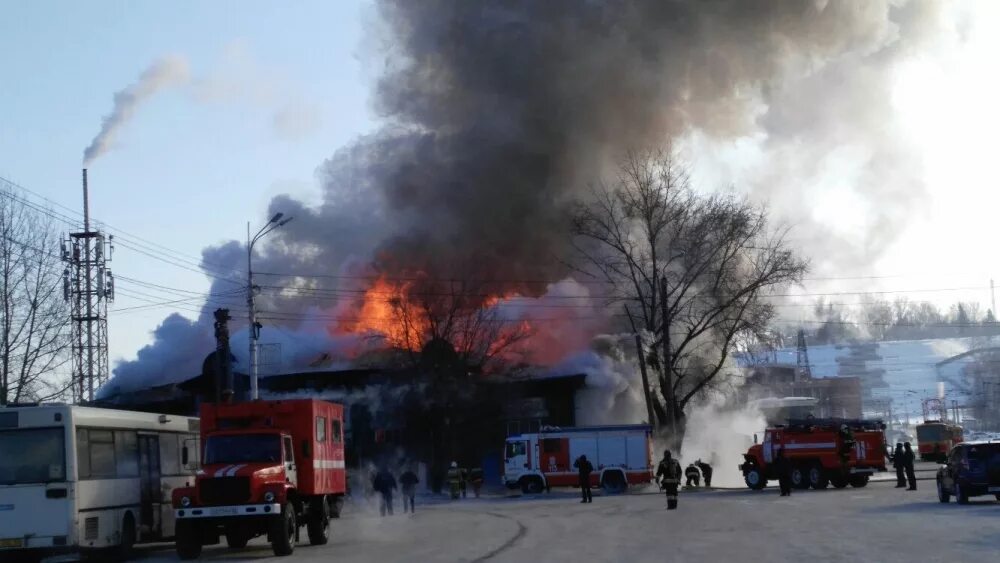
<point x="386" y="310"/>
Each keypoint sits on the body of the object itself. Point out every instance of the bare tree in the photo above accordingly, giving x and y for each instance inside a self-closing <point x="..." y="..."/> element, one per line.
<point x="34" y="322"/>
<point x="717" y="253"/>
<point x="459" y="318"/>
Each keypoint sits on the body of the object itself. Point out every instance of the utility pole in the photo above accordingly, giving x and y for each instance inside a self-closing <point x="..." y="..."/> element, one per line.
<point x="642" y="369"/>
<point x="668" y="380"/>
<point x="88" y="285"/>
<point x="254" y="326"/>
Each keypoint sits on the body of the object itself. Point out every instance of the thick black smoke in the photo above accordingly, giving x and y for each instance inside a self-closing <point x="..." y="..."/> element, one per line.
<point x="497" y="114"/>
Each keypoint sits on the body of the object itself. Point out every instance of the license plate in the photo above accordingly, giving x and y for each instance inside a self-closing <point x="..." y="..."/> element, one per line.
<point x="225" y="511"/>
<point x="14" y="542"/>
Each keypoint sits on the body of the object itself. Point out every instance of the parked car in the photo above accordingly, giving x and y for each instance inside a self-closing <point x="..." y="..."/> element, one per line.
<point x="971" y="469"/>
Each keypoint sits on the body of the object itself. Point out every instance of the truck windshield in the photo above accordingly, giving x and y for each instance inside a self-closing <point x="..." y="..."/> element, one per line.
<point x="32" y="455"/>
<point x="515" y="449"/>
<point x="930" y="433"/>
<point x="242" y="448"/>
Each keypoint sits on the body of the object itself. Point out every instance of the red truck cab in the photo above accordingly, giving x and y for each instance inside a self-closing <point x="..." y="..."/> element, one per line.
<point x="268" y="468"/>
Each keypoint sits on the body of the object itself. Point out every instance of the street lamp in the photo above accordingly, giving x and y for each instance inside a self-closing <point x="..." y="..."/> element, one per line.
<point x="254" y="327"/>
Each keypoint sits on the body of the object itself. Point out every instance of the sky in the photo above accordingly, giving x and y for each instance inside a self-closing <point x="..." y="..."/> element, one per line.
<point x="275" y="88"/>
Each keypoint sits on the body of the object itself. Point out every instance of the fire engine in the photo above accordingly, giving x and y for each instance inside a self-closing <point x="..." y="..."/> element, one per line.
<point x="268" y="467"/>
<point x="935" y="439"/>
<point x="820" y="452"/>
<point x="621" y="456"/>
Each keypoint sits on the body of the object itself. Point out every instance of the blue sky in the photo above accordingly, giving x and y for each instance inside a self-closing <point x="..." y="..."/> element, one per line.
<point x="198" y="161"/>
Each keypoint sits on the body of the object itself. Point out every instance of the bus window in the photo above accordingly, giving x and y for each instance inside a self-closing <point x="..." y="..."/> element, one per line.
<point x="126" y="454"/>
<point x="41" y="456"/>
<point x="170" y="456"/>
<point x="102" y="453"/>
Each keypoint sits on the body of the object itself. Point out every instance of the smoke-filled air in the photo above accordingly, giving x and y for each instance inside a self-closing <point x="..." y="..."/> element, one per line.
<point x="496" y="119"/>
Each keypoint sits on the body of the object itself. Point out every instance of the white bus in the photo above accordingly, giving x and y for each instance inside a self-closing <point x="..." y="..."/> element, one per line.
<point x="79" y="478"/>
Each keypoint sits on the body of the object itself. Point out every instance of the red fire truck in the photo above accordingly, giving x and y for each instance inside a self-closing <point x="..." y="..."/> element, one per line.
<point x="935" y="439"/>
<point x="621" y="456"/>
<point x="268" y="467"/>
<point x="820" y="452"/>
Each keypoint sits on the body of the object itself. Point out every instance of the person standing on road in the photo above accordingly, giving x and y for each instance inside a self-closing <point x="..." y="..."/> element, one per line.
<point x="455" y="480"/>
<point x="384" y="484"/>
<point x="899" y="463"/>
<point x="409" y="482"/>
<point x="693" y="476"/>
<point x="783" y="469"/>
<point x="476" y="479"/>
<point x="668" y="475"/>
<point x="583" y="465"/>
<point x="908" y="459"/>
<point x="706" y="472"/>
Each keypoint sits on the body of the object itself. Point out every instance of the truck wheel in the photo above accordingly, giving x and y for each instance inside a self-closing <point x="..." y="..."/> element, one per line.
<point x="614" y="483"/>
<point x="532" y="486"/>
<point x="319" y="522"/>
<point x="838" y="481"/>
<point x="187" y="540"/>
<point x="755" y="479"/>
<point x="336" y="507"/>
<point x="800" y="480"/>
<point x="943" y="495"/>
<point x="282" y="530"/>
<point x="961" y="497"/>
<point x="818" y="478"/>
<point x="858" y="481"/>
<point x="236" y="537"/>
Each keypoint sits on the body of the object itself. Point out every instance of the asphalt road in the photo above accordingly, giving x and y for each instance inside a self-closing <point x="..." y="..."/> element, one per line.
<point x="875" y="523"/>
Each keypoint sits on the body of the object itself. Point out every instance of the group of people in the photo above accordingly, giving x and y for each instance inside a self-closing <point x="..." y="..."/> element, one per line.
<point x="460" y="478"/>
<point x="384" y="484"/>
<point x="668" y="476"/>
<point x="902" y="460"/>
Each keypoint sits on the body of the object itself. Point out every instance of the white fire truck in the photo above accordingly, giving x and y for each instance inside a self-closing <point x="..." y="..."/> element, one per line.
<point x="621" y="456"/>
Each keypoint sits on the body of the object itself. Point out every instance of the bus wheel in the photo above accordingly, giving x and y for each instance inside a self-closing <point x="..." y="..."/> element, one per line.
<point x="187" y="540"/>
<point x="319" y="522"/>
<point x="236" y="537"/>
<point x="124" y="549"/>
<point x="282" y="532"/>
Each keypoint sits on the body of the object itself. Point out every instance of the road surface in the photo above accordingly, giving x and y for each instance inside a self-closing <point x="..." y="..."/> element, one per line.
<point x="875" y="523"/>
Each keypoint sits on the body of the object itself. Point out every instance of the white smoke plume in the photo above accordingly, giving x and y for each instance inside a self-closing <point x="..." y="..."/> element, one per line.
<point x="163" y="73"/>
<point x="719" y="435"/>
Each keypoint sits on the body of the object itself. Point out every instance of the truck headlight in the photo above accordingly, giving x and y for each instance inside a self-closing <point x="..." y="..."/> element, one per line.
<point x="269" y="497"/>
<point x="185" y="502"/>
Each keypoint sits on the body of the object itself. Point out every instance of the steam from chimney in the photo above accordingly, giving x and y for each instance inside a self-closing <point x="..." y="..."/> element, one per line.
<point x="163" y="73"/>
<point x="497" y="115"/>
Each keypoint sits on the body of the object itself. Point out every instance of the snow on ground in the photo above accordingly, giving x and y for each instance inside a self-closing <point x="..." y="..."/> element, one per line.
<point x="876" y="523"/>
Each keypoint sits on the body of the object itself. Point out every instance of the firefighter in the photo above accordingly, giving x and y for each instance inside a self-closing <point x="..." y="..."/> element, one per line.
<point x="899" y="463"/>
<point x="463" y="481"/>
<point x="384" y="483"/>
<point x="409" y="482"/>
<point x="706" y="472"/>
<point x="455" y="480"/>
<point x="908" y="461"/>
<point x="668" y="475"/>
<point x="585" y="468"/>
<point x="784" y="470"/>
<point x="693" y="476"/>
<point x="476" y="478"/>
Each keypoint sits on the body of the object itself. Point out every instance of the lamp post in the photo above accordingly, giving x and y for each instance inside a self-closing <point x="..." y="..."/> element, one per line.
<point x="254" y="326"/>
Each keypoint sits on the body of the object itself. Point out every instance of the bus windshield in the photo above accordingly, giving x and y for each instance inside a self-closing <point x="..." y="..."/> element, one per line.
<point x="242" y="448"/>
<point x="930" y="433"/>
<point x="32" y="455"/>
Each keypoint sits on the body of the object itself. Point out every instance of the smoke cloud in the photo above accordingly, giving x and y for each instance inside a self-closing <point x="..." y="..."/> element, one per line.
<point x="164" y="73"/>
<point x="498" y="115"/>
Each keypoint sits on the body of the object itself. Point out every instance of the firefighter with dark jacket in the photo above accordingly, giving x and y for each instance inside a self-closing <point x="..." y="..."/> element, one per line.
<point x="899" y="463"/>
<point x="706" y="472"/>
<point x="693" y="476"/>
<point x="668" y="475"/>
<point x="585" y="468"/>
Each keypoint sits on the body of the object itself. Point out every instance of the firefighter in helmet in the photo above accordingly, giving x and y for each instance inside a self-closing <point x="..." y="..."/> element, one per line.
<point x="455" y="480"/>
<point x="668" y="474"/>
<point x="693" y="476"/>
